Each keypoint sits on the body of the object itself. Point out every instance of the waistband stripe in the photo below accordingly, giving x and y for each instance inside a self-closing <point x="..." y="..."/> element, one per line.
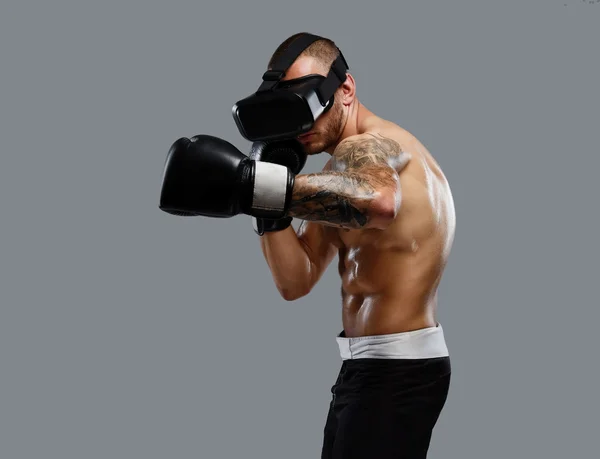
<point x="426" y="343"/>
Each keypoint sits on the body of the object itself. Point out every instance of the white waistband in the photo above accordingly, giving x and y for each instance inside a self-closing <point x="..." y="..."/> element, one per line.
<point x="425" y="343"/>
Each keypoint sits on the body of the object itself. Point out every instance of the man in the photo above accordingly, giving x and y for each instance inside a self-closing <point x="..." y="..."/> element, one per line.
<point x="383" y="205"/>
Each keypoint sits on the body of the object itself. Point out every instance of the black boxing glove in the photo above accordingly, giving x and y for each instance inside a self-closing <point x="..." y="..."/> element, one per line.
<point x="208" y="176"/>
<point x="289" y="153"/>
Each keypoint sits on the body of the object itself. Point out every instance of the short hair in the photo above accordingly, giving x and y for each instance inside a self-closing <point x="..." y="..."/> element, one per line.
<point x="323" y="50"/>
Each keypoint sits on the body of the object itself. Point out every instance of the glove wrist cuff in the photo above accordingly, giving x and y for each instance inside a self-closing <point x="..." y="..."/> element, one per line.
<point x="272" y="190"/>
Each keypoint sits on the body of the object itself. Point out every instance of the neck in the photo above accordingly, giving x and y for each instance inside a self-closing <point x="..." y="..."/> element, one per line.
<point x="352" y="124"/>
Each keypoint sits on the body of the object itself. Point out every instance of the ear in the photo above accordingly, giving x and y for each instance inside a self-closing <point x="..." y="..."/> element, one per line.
<point x="348" y="89"/>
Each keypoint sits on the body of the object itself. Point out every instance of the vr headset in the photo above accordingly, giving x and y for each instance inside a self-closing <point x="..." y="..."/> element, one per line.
<point x="286" y="109"/>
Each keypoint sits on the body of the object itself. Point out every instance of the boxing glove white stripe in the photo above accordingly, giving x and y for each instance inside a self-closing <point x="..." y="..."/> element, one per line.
<point x="270" y="186"/>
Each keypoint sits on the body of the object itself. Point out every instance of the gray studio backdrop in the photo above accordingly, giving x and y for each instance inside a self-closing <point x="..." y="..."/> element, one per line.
<point x="129" y="333"/>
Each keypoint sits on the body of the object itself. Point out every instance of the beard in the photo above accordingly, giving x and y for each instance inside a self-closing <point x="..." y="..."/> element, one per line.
<point x="328" y="131"/>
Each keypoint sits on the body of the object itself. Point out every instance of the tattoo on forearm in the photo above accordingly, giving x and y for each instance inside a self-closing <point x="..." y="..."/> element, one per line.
<point x="361" y="170"/>
<point x="334" y="197"/>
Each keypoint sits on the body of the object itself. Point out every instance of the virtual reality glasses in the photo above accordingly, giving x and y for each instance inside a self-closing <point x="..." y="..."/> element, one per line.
<point x="285" y="109"/>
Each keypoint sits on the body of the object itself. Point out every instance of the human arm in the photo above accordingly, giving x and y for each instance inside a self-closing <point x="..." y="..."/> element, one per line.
<point x="297" y="260"/>
<point x="361" y="191"/>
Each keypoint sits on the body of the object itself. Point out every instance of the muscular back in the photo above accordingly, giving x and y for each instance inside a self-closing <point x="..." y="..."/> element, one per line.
<point x="390" y="276"/>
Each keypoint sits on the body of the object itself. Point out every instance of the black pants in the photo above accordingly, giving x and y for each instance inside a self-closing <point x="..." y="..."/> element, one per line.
<point x="385" y="408"/>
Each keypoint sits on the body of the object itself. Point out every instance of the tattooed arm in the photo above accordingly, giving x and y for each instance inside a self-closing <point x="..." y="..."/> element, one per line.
<point x="362" y="190"/>
<point x="358" y="188"/>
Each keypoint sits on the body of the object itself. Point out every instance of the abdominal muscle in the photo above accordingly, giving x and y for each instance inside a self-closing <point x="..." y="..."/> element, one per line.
<point x="386" y="292"/>
<point x="390" y="277"/>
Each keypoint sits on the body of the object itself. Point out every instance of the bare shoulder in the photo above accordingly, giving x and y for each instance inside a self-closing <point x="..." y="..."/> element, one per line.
<point x="424" y="184"/>
<point x="422" y="167"/>
<point x="421" y="177"/>
<point x="368" y="149"/>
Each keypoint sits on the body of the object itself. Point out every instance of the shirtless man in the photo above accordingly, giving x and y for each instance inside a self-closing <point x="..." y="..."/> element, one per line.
<point x="383" y="205"/>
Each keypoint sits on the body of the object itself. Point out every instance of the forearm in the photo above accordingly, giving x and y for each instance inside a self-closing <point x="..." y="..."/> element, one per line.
<point x="288" y="262"/>
<point x="346" y="199"/>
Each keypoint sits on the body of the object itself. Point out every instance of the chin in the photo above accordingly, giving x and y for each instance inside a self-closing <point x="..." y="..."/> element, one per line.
<point x="314" y="149"/>
<point x="314" y="146"/>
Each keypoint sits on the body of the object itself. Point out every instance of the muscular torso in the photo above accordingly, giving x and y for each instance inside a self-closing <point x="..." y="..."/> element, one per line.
<point x="390" y="276"/>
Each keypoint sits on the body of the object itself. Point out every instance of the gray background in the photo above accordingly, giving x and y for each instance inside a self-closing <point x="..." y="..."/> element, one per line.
<point x="129" y="333"/>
